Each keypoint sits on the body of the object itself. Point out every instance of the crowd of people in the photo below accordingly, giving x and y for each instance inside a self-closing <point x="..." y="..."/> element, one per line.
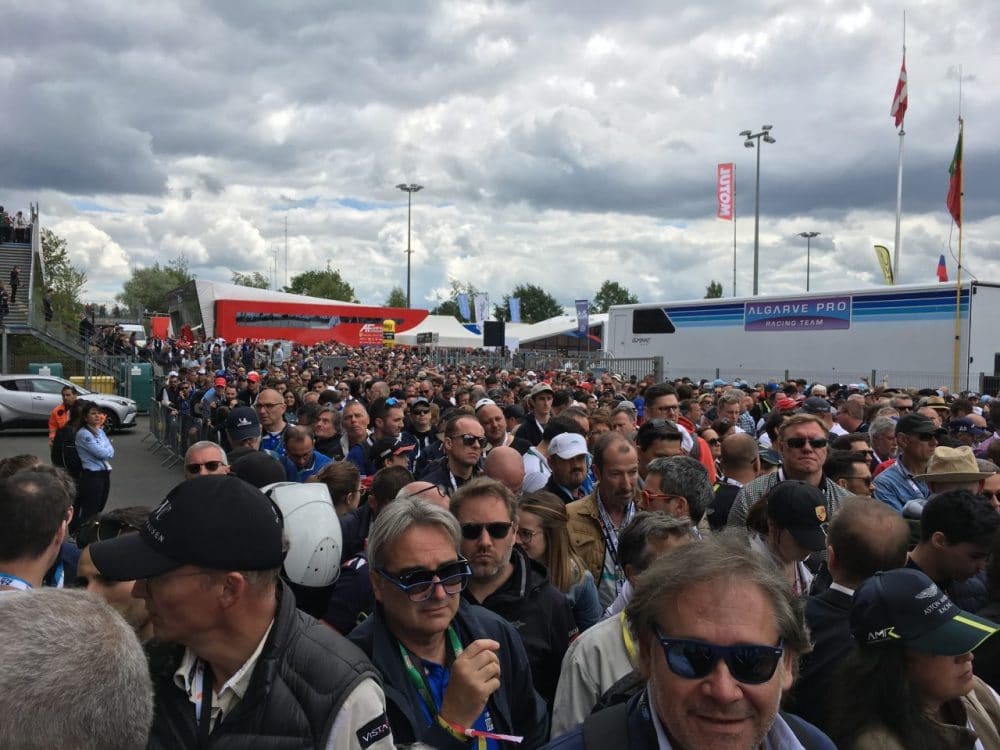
<point x="387" y="552"/>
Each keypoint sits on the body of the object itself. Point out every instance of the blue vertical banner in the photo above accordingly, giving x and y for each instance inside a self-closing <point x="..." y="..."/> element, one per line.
<point x="482" y="303"/>
<point x="463" y="306"/>
<point x="514" y="303"/>
<point x="583" y="317"/>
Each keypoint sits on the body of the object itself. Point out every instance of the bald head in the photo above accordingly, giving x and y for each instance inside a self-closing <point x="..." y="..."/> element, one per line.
<point x="506" y="466"/>
<point x="426" y="491"/>
<point x="738" y="450"/>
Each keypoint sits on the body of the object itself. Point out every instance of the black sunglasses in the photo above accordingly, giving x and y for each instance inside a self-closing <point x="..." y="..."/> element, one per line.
<point x="693" y="660"/>
<point x="419" y="584"/>
<point x="470" y="440"/>
<point x="97" y="530"/>
<point x="800" y="442"/>
<point x="210" y="466"/>
<point x="419" y="412"/>
<point x="472" y="531"/>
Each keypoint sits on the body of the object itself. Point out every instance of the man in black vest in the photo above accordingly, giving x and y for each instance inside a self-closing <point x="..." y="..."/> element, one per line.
<point x="248" y="664"/>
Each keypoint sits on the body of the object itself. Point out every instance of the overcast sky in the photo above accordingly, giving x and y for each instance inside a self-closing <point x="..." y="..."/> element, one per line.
<point x="559" y="143"/>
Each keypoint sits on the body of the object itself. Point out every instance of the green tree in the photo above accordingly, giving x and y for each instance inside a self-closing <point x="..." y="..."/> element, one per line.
<point x="65" y="279"/>
<point x="536" y="303"/>
<point x="611" y="293"/>
<point x="450" y="305"/>
<point x="327" y="284"/>
<point x="397" y="297"/>
<point x="254" y="279"/>
<point x="148" y="287"/>
<point x="713" y="290"/>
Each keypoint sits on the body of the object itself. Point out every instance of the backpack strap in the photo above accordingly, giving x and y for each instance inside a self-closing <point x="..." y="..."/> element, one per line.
<point x="606" y="728"/>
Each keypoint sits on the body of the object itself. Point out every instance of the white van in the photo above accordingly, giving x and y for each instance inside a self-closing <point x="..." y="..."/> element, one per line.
<point x="138" y="330"/>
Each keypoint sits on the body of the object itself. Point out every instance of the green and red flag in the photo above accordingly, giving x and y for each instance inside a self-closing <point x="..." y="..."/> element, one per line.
<point x="955" y="185"/>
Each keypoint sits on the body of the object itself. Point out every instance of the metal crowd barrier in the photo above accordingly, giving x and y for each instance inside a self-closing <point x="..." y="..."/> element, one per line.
<point x="175" y="433"/>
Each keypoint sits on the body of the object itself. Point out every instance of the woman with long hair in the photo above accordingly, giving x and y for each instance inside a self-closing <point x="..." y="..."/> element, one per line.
<point x="542" y="534"/>
<point x="95" y="451"/>
<point x="343" y="480"/>
<point x="908" y="683"/>
<point x="786" y="526"/>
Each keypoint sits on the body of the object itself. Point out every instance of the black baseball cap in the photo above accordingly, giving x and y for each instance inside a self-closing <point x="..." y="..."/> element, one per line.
<point x="816" y="405"/>
<point x="918" y="424"/>
<point x="217" y="522"/>
<point x="905" y="607"/>
<point x="242" y="423"/>
<point x="799" y="508"/>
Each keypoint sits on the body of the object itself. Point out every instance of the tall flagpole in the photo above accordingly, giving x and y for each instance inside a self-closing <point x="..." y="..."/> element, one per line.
<point x="733" y="204"/>
<point x="899" y="174"/>
<point x="958" y="272"/>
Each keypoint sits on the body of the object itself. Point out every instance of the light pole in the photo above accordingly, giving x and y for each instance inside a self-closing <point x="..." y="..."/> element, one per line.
<point x="749" y="138"/>
<point x="410" y="189"/>
<point x="808" y="236"/>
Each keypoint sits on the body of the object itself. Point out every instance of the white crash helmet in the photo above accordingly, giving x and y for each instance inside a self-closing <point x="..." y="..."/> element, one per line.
<point x="313" y="530"/>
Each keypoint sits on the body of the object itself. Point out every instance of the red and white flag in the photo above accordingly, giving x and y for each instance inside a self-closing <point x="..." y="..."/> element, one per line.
<point x="724" y="191"/>
<point x="901" y="98"/>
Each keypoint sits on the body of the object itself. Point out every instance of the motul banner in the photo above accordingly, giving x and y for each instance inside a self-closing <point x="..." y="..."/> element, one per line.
<point x="724" y="190"/>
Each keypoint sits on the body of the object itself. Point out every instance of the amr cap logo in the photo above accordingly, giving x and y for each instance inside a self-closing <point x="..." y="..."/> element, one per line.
<point x="162" y="510"/>
<point x="928" y="593"/>
<point x="882" y="634"/>
<point x="242" y="422"/>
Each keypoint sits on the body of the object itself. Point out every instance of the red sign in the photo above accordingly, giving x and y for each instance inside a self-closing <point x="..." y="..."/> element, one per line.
<point x="724" y="189"/>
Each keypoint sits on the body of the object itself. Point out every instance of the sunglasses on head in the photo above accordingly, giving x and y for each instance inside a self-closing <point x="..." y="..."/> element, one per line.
<point x="470" y="440"/>
<point x="97" y="530"/>
<point x="209" y="466"/>
<point x="472" y="531"/>
<point x="694" y="660"/>
<point x="419" y="584"/>
<point x="800" y="442"/>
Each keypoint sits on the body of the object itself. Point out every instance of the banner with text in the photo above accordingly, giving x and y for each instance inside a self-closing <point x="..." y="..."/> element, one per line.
<point x="482" y="304"/>
<point x="582" y="316"/>
<point x="725" y="193"/>
<point x="810" y="314"/>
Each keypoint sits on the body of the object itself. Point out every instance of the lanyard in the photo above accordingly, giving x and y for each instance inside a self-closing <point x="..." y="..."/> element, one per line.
<point x="419" y="678"/>
<point x="203" y="702"/>
<point x="13" y="582"/>
<point x="630" y="648"/>
<point x="611" y="534"/>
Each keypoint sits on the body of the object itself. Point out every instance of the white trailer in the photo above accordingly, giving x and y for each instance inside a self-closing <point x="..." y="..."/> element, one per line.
<point x="901" y="335"/>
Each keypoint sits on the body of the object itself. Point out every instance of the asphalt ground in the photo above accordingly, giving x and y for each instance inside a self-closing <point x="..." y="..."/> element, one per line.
<point x="137" y="474"/>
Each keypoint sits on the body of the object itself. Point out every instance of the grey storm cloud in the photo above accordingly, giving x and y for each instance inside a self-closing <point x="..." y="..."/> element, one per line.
<point x="543" y="132"/>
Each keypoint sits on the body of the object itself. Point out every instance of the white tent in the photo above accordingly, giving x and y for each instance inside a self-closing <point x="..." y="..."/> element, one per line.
<point x="450" y="333"/>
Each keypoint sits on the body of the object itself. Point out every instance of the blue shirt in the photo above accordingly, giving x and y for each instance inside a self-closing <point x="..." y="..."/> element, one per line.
<point x="295" y="474"/>
<point x="896" y="486"/>
<point x="95" y="450"/>
<point x="437" y="682"/>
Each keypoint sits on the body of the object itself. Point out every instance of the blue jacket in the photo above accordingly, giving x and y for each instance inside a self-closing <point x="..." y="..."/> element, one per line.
<point x="515" y="707"/>
<point x="95" y="449"/>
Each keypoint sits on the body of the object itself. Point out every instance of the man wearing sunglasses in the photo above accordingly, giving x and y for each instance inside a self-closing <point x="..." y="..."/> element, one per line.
<point x="803" y="442"/>
<point x="463" y="445"/>
<point x="248" y="662"/>
<point x="508" y="582"/>
<point x="205" y="457"/>
<point x="718" y="636"/>
<point x="449" y="668"/>
<point x="917" y="437"/>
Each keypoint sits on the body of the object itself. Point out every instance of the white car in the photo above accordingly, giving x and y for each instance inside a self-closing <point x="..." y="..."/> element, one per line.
<point x="28" y="400"/>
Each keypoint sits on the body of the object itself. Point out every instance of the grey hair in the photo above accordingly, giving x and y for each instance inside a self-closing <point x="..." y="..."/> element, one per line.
<point x="684" y="476"/>
<point x="633" y="541"/>
<point x="880" y="425"/>
<point x="394" y="520"/>
<point x="68" y="642"/>
<point x="719" y="559"/>
<point x="732" y="396"/>
<point x="205" y="444"/>
<point x="989" y="466"/>
<point x="624" y="406"/>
